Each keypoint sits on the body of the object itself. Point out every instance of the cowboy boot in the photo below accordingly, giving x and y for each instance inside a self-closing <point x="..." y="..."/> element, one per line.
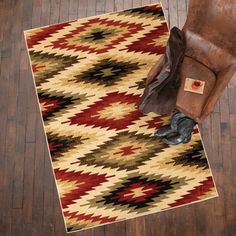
<point x="172" y="128"/>
<point x="184" y="132"/>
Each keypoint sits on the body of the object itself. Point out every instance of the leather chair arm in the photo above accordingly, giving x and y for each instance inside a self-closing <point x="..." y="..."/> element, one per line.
<point x="222" y="81"/>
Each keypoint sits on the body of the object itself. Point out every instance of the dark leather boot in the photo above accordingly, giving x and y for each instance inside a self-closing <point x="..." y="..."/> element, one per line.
<point x="172" y="128"/>
<point x="184" y="132"/>
<point x="179" y="131"/>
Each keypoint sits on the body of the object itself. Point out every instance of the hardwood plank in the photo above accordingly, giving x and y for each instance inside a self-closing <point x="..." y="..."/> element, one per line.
<point x="55" y="11"/>
<point x="38" y="178"/>
<point x="33" y="21"/>
<point x="188" y="225"/>
<point x="141" y="226"/>
<point x="7" y="77"/>
<point x="28" y="183"/>
<point x="88" y="232"/>
<point x="224" y="107"/>
<point x="16" y="222"/>
<point x="217" y="107"/>
<point x="159" y="221"/>
<point x="145" y="2"/>
<point x="20" y="143"/>
<point x="119" y="5"/>
<point x="45" y="12"/>
<point x="165" y="6"/>
<point x="91" y="8"/>
<point x="233" y="125"/>
<point x="173" y="13"/>
<point x="3" y="133"/>
<point x="59" y="226"/>
<point x="8" y="180"/>
<point x="36" y="13"/>
<point x="48" y="190"/>
<point x="115" y="229"/>
<point x="2" y="17"/>
<point x="73" y="9"/>
<point x="213" y="135"/>
<point x="217" y="162"/>
<point x="228" y="159"/>
<point x="27" y="229"/>
<point x="232" y="99"/>
<point x="182" y="12"/>
<point x="100" y="6"/>
<point x="231" y="204"/>
<point x="232" y="83"/>
<point x="110" y="5"/>
<point x="64" y="11"/>
<point x="110" y="230"/>
<point x="99" y="231"/>
<point x="6" y="56"/>
<point x="127" y="4"/>
<point x="82" y="8"/>
<point x="205" y="130"/>
<point x="27" y="16"/>
<point x="137" y="3"/>
<point x="130" y="227"/>
<point x="24" y="11"/>
<point x="48" y="230"/>
<point x="6" y="223"/>
<point x="32" y="103"/>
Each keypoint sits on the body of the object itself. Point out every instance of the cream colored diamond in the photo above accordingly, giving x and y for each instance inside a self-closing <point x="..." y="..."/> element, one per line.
<point x="138" y="192"/>
<point x="120" y="151"/>
<point x="160" y="41"/>
<point x="116" y="32"/>
<point x="107" y="72"/>
<point x="116" y="111"/>
<point x="65" y="187"/>
<point x="44" y="106"/>
<point x="33" y="32"/>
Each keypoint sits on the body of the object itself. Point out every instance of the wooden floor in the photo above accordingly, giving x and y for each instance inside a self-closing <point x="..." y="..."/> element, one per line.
<point x="28" y="200"/>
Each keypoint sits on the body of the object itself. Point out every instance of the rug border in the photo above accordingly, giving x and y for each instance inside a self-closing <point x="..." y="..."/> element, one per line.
<point x="50" y="157"/>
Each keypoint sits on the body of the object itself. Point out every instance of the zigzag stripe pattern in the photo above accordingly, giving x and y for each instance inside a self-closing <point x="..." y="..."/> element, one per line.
<point x="89" y="76"/>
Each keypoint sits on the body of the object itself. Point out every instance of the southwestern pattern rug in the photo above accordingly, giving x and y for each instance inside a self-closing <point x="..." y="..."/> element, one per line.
<point x="89" y="75"/>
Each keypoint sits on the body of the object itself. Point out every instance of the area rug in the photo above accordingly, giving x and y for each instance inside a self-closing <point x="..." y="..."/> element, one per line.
<point x="89" y="76"/>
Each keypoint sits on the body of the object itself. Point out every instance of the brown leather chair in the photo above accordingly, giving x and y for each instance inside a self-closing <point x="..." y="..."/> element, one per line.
<point x="210" y="32"/>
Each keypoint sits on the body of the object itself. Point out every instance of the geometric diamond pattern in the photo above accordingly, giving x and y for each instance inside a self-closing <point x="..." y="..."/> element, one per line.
<point x="80" y="184"/>
<point x="138" y="192"/>
<point x="153" y="45"/>
<point x="126" y="152"/>
<point x="107" y="71"/>
<point x="97" y="35"/>
<point x="89" y="76"/>
<point x="46" y="66"/>
<point x="52" y="104"/>
<point x="58" y="145"/>
<point x="194" y="157"/>
<point x="114" y="111"/>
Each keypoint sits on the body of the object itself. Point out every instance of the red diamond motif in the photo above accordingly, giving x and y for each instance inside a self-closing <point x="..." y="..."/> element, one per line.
<point x="102" y="25"/>
<point x="150" y="38"/>
<point x="93" y="115"/>
<point x="83" y="182"/>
